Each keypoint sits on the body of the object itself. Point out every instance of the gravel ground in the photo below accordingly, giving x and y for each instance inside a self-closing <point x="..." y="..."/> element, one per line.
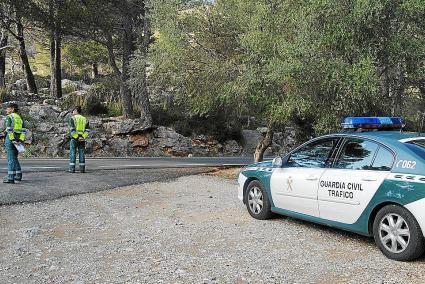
<point x="189" y="230"/>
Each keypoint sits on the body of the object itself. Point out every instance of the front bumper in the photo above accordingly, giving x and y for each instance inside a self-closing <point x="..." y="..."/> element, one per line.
<point x="417" y="208"/>
<point x="241" y="181"/>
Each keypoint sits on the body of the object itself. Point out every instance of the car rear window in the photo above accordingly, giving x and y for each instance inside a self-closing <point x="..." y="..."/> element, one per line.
<point x="419" y="142"/>
<point x="417" y="146"/>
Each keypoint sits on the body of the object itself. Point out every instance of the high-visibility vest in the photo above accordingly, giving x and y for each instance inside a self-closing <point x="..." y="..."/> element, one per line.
<point x="80" y="123"/>
<point x="16" y="128"/>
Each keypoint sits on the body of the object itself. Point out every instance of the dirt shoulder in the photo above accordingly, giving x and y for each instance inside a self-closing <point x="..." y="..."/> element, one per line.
<point x="188" y="230"/>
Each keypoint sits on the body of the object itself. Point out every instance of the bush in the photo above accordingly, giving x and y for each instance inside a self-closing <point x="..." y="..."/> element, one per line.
<point x="218" y="126"/>
<point x="92" y="105"/>
<point x="42" y="82"/>
<point x="114" y="109"/>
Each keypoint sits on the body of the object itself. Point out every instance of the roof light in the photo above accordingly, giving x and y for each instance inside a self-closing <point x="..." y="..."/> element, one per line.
<point x="382" y="122"/>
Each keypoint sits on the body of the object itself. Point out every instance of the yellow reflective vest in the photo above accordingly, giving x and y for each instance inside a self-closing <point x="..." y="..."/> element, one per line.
<point x="79" y="127"/>
<point x="15" y="127"/>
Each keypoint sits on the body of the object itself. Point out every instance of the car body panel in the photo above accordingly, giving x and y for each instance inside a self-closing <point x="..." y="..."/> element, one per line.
<point x="289" y="189"/>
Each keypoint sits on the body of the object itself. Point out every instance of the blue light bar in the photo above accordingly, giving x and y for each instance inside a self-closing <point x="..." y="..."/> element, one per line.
<point x="386" y="122"/>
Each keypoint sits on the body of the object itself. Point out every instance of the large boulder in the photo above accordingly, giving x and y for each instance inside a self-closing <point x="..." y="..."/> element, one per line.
<point x="231" y="147"/>
<point x="171" y="142"/>
<point x="125" y="126"/>
<point x="43" y="112"/>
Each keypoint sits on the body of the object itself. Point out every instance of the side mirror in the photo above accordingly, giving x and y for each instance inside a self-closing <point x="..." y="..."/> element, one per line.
<point x="277" y="162"/>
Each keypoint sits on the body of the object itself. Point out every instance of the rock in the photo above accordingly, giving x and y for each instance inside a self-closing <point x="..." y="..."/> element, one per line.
<point x="94" y="145"/>
<point x="65" y="115"/>
<point x="45" y="127"/>
<point x="232" y="147"/>
<point x="126" y="126"/>
<point x="69" y="84"/>
<point x="20" y="85"/>
<point x="118" y="146"/>
<point x="171" y="142"/>
<point x="139" y="140"/>
<point x="49" y="102"/>
<point x="2" y="122"/>
<point x="41" y="112"/>
<point x="44" y="91"/>
<point x="119" y="127"/>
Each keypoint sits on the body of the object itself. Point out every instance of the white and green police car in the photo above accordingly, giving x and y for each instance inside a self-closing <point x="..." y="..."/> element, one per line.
<point x="366" y="179"/>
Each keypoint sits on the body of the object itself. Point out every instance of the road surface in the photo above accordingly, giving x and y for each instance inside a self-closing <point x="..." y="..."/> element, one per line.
<point x="51" y="165"/>
<point x="47" y="179"/>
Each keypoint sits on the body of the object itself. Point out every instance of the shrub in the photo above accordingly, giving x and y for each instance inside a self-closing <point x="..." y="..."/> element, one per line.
<point x="114" y="109"/>
<point x="92" y="105"/>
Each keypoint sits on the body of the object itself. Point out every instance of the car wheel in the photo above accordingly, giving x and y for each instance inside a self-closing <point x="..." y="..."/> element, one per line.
<point x="398" y="234"/>
<point x="257" y="201"/>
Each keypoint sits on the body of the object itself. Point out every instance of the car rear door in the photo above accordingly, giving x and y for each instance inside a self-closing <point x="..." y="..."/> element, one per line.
<point x="346" y="189"/>
<point x="294" y="186"/>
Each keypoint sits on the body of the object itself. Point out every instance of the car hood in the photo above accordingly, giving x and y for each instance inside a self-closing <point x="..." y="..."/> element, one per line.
<point x="266" y="164"/>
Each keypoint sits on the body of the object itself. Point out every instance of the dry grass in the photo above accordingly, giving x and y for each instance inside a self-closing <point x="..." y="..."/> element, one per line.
<point x="229" y="173"/>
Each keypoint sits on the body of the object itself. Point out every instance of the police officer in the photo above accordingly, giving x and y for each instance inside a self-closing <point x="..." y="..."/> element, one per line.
<point x="15" y="135"/>
<point x="79" y="131"/>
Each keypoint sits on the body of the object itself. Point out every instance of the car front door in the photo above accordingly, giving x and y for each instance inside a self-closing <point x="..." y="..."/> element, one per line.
<point x="347" y="188"/>
<point x="294" y="186"/>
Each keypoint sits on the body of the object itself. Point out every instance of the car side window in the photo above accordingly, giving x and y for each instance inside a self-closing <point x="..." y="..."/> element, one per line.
<point x="313" y="155"/>
<point x="383" y="161"/>
<point x="357" y="154"/>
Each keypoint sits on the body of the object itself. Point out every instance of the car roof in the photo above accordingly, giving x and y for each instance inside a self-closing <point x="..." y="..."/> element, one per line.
<point x="395" y="141"/>
<point x="391" y="138"/>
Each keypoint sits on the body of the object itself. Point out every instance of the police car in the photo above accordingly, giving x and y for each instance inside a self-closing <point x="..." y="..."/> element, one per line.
<point x="368" y="179"/>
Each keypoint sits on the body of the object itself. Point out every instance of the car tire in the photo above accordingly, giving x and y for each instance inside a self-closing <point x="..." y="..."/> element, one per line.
<point x="398" y="234"/>
<point x="257" y="201"/>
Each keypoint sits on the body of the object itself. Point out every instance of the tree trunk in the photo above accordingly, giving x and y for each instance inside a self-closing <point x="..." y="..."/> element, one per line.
<point x="264" y="144"/>
<point x="52" y="65"/>
<point x="127" y="51"/>
<point x="398" y="90"/>
<point x="29" y="76"/>
<point x="144" y="94"/>
<point x="58" y="63"/>
<point x="3" y="43"/>
<point x="95" y="70"/>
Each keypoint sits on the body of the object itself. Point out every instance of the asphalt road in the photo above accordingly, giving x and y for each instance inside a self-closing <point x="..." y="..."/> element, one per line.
<point x="42" y="186"/>
<point x="51" y="165"/>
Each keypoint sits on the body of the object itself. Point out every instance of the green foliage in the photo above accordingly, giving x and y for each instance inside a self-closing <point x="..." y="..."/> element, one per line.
<point x="302" y="63"/>
<point x="114" y="109"/>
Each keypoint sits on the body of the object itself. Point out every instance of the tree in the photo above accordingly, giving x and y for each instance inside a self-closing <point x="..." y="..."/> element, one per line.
<point x="4" y="37"/>
<point x="85" y="55"/>
<point x="305" y="64"/>
<point x="11" y="15"/>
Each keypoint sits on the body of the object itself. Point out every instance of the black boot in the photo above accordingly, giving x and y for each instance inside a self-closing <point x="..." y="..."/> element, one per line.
<point x="71" y="170"/>
<point x="7" y="180"/>
<point x="82" y="169"/>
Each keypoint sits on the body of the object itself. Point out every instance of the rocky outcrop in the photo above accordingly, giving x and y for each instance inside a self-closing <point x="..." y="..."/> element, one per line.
<point x="48" y="120"/>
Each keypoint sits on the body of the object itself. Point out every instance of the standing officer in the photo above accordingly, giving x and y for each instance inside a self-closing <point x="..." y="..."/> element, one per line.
<point x="79" y="131"/>
<point x="15" y="135"/>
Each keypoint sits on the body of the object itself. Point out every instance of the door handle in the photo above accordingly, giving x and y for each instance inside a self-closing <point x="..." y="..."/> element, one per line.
<point x="311" y="178"/>
<point x="369" y="179"/>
